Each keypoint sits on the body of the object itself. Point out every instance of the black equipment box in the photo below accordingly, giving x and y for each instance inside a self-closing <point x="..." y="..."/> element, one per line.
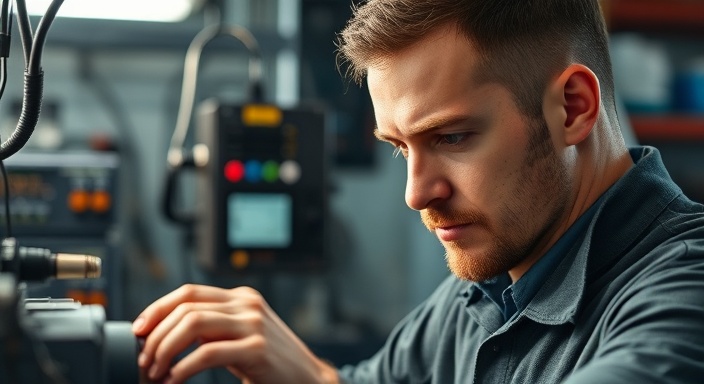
<point x="262" y="195"/>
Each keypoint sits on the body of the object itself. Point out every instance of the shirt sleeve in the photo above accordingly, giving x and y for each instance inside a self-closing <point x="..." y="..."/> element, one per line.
<point x="656" y="332"/>
<point x="407" y="355"/>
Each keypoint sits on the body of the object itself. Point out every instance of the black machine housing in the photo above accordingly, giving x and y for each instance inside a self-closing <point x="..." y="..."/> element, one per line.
<point x="60" y="341"/>
<point x="262" y="195"/>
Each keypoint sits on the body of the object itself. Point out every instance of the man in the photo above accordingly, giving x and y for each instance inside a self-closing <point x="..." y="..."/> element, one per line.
<point x="574" y="259"/>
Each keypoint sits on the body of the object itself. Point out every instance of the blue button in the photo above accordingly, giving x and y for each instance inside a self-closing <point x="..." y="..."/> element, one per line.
<point x="253" y="171"/>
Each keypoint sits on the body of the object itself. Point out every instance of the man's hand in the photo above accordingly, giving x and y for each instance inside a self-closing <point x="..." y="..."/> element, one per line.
<point x="235" y="328"/>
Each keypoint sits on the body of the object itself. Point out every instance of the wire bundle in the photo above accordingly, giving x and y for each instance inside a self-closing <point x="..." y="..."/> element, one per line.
<point x="32" y="46"/>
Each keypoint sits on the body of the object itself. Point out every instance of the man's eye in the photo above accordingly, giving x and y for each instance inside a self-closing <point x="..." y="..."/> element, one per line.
<point x="453" y="138"/>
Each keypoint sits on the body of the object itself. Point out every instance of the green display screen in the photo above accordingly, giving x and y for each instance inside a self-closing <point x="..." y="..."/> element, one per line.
<point x="259" y="220"/>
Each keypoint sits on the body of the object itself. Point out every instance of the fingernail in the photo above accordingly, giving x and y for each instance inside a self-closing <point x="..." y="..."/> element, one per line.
<point x="137" y="324"/>
<point x="153" y="371"/>
<point x="142" y="360"/>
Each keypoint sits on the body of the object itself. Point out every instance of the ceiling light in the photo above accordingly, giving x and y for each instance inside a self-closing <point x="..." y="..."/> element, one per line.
<point x="140" y="10"/>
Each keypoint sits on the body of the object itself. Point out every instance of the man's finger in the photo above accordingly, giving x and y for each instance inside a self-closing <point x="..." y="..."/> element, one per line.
<point x="161" y="308"/>
<point x="202" y="325"/>
<point x="167" y="325"/>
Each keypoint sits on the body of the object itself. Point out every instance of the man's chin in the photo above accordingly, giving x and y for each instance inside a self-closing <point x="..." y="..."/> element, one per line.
<point x="475" y="268"/>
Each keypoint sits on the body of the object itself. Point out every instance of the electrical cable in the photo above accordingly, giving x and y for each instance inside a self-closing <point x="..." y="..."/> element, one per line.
<point x="5" y="28"/>
<point x="34" y="67"/>
<point x="177" y="158"/>
<point x="190" y="79"/>
<point x="25" y="28"/>
<point x="33" y="77"/>
<point x="5" y="39"/>
<point x="6" y="186"/>
<point x="5" y="16"/>
<point x="3" y="75"/>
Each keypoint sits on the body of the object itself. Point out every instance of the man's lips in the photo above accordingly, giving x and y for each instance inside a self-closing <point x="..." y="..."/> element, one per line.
<point x="452" y="232"/>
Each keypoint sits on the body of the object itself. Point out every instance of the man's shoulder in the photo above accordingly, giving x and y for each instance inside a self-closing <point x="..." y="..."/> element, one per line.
<point x="683" y="218"/>
<point x="680" y="229"/>
<point x="670" y="253"/>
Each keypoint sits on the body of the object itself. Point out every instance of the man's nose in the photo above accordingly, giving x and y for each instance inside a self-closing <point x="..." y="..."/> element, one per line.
<point x="426" y="182"/>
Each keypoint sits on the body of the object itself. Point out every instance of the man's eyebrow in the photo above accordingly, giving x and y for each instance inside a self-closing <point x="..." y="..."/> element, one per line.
<point x="431" y="124"/>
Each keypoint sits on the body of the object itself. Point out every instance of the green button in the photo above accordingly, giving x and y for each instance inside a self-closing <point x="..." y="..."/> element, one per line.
<point x="270" y="171"/>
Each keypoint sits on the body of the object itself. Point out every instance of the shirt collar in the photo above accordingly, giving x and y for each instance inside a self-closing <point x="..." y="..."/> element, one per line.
<point x="628" y="209"/>
<point x="525" y="288"/>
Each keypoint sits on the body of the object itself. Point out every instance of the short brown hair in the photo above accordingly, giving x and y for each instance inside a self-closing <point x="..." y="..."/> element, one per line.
<point x="522" y="43"/>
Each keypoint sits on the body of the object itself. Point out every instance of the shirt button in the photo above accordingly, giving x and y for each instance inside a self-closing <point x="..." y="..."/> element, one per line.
<point x="496" y="348"/>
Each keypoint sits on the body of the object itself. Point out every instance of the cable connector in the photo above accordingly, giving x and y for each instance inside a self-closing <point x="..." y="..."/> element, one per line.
<point x="39" y="264"/>
<point x="5" y="40"/>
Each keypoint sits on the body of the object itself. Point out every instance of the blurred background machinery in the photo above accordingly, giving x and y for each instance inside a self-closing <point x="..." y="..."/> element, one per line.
<point x="66" y="201"/>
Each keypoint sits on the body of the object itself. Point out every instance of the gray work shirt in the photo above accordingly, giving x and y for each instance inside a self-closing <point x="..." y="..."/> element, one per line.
<point x="625" y="305"/>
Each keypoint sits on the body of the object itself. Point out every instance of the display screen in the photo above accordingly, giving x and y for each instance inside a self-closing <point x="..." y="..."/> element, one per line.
<point x="259" y="220"/>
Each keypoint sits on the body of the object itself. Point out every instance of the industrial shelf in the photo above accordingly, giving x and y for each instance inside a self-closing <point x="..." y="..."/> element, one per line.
<point x="668" y="127"/>
<point x="655" y="15"/>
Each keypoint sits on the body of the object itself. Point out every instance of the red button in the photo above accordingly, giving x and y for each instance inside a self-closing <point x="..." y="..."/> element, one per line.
<point x="234" y="170"/>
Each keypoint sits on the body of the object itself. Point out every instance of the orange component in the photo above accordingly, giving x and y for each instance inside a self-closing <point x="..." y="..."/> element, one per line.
<point x="78" y="200"/>
<point x="98" y="297"/>
<point x="239" y="259"/>
<point x="101" y="201"/>
<point x="77" y="295"/>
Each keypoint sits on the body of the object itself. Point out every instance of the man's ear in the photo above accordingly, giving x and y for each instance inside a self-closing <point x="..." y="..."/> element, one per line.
<point x="572" y="103"/>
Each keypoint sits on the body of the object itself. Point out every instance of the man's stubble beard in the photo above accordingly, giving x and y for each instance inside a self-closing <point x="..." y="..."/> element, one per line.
<point x="543" y="172"/>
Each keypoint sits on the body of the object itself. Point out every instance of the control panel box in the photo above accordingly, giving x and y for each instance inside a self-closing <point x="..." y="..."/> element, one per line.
<point x="67" y="201"/>
<point x="61" y="194"/>
<point x="263" y="194"/>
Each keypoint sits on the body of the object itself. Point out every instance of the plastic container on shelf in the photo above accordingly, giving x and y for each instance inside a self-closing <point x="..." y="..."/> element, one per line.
<point x="689" y="88"/>
<point x="643" y="73"/>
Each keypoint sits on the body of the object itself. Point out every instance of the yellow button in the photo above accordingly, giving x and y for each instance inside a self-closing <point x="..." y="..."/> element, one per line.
<point x="78" y="200"/>
<point x="101" y="202"/>
<point x="239" y="259"/>
<point x="261" y="115"/>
